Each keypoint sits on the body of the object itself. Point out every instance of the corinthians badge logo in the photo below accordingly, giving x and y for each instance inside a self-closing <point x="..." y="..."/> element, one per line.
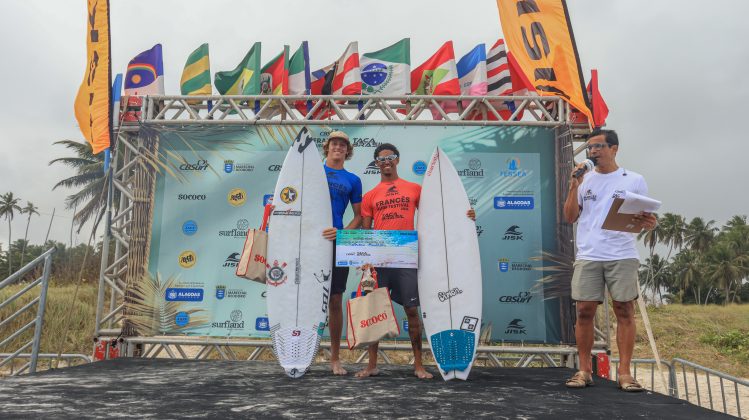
<point x="276" y="275"/>
<point x="288" y="195"/>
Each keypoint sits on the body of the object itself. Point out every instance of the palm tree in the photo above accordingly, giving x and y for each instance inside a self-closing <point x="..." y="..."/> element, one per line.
<point x="724" y="267"/>
<point x="674" y="229"/>
<point x="700" y="235"/>
<point x="655" y="274"/>
<point x="31" y="210"/>
<point x="90" y="176"/>
<point x="8" y="207"/>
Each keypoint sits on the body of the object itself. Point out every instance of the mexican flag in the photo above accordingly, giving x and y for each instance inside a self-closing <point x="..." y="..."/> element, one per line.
<point x="244" y="79"/>
<point x="438" y="75"/>
<point x="387" y="71"/>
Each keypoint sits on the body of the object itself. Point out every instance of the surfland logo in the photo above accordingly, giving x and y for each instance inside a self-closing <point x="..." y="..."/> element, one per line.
<point x="515" y="327"/>
<point x="473" y="170"/>
<point x="237" y="197"/>
<point x="513" y="234"/>
<point x="187" y="259"/>
<point x="235" y="321"/>
<point x="239" y="232"/>
<point x="372" y="169"/>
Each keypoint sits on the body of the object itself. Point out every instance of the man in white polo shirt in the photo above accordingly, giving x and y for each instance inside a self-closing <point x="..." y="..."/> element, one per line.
<point x="604" y="257"/>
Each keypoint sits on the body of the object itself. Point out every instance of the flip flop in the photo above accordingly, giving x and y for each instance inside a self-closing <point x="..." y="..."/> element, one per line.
<point x="628" y="384"/>
<point x="580" y="379"/>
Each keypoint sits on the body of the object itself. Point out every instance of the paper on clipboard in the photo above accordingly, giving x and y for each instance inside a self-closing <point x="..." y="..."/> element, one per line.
<point x="636" y="203"/>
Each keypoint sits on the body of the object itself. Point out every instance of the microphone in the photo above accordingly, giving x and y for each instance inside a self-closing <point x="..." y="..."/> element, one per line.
<point x="589" y="164"/>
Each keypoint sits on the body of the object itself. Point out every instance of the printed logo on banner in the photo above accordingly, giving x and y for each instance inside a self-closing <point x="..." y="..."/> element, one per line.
<point x="513" y="234"/>
<point x="220" y="291"/>
<point x="187" y="259"/>
<point x="189" y="228"/>
<point x="419" y="167"/>
<point x="232" y="260"/>
<point x="513" y="203"/>
<point x="479" y="230"/>
<point x="274" y="168"/>
<point x="174" y="294"/>
<point x="239" y="232"/>
<point x="289" y="195"/>
<point x="234" y="322"/>
<point x="262" y="324"/>
<point x="267" y="198"/>
<point x="237" y="197"/>
<point x="522" y="297"/>
<point x="515" y="327"/>
<point x="504" y="265"/>
<point x="405" y="324"/>
<point x="228" y="166"/>
<point x="200" y="165"/>
<point x="469" y="323"/>
<point x="473" y="171"/>
<point x="191" y="197"/>
<point x="513" y="169"/>
<point x="364" y="142"/>
<point x="472" y="201"/>
<point x="276" y="274"/>
<point x="372" y="169"/>
<point x="182" y="319"/>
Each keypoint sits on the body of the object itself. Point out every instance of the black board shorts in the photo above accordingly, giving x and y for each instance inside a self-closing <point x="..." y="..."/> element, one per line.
<point x="340" y="275"/>
<point x="403" y="284"/>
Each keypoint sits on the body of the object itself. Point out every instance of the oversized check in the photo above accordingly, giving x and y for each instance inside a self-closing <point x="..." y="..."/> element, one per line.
<point x="381" y="248"/>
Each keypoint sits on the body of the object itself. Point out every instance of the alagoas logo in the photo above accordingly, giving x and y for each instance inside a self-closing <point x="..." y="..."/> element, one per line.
<point x="513" y="169"/>
<point x="276" y="274"/>
<point x="237" y="197"/>
<point x="289" y="195"/>
<point x="187" y="259"/>
<point x="513" y="234"/>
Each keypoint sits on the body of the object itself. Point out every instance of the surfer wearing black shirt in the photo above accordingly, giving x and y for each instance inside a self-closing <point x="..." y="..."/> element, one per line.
<point x="391" y="205"/>
<point x="345" y="188"/>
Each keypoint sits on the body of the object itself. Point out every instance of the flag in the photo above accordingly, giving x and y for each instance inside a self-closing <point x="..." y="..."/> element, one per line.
<point x="299" y="74"/>
<point x="145" y="73"/>
<point x="321" y="82"/>
<point x="539" y="34"/>
<point x="471" y="77"/>
<point x="498" y="70"/>
<point x="600" y="109"/>
<point x="438" y="75"/>
<point x="244" y="79"/>
<point x="274" y="76"/>
<point x="343" y="77"/>
<point x="387" y="71"/>
<point x="94" y="99"/>
<point x="196" y="77"/>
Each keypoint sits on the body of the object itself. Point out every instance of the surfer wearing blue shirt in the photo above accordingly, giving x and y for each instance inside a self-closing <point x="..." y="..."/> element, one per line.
<point x="345" y="188"/>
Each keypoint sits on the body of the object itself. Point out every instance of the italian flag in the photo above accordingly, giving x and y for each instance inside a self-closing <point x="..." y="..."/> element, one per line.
<point x="387" y="71"/>
<point x="438" y="75"/>
<point x="299" y="74"/>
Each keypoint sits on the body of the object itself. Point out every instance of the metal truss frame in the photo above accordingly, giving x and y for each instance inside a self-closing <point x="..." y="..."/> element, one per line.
<point x="128" y="190"/>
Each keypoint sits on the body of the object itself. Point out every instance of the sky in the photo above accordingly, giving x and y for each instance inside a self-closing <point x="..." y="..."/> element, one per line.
<point x="671" y="71"/>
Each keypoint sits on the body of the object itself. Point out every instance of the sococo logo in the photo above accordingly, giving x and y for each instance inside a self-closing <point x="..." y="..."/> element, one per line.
<point x="187" y="259"/>
<point x="513" y="169"/>
<point x="473" y="171"/>
<point x="522" y="297"/>
<point x="200" y="165"/>
<point x="237" y="197"/>
<point x="239" y="232"/>
<point x="372" y="169"/>
<point x="191" y="197"/>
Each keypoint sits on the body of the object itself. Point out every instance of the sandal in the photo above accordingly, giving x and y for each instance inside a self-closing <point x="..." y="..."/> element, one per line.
<point x="628" y="384"/>
<point x="581" y="379"/>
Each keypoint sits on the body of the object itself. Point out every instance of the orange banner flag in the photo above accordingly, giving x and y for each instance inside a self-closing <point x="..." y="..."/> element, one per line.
<point x="539" y="35"/>
<point x="93" y="104"/>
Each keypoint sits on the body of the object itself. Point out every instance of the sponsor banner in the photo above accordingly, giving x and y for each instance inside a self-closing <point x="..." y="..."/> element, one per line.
<point x="201" y="219"/>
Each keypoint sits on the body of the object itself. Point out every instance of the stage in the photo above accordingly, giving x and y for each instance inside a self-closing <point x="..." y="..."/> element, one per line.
<point x="161" y="388"/>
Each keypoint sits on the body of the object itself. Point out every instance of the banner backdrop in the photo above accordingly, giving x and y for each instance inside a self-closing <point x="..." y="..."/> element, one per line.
<point x="218" y="180"/>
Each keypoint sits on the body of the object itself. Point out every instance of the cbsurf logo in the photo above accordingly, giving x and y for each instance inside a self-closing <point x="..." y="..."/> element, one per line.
<point x="200" y="165"/>
<point x="521" y="297"/>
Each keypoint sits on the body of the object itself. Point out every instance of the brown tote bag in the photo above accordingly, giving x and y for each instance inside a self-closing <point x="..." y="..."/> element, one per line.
<point x="370" y="317"/>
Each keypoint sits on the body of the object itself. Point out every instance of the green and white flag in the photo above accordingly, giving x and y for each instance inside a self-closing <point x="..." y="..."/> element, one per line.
<point x="196" y="77"/>
<point x="388" y="71"/>
<point x="243" y="80"/>
<point x="299" y="77"/>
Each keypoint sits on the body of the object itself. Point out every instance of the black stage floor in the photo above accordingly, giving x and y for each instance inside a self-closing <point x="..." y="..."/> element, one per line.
<point x="225" y="389"/>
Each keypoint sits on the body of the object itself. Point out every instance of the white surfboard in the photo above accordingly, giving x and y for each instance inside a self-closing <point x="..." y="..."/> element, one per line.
<point x="299" y="259"/>
<point x="449" y="269"/>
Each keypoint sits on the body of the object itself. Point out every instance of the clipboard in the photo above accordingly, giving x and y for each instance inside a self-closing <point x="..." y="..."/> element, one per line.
<point x="621" y="222"/>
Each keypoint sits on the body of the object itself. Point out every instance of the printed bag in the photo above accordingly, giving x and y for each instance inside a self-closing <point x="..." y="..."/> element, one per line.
<point x="370" y="317"/>
<point x="252" y="262"/>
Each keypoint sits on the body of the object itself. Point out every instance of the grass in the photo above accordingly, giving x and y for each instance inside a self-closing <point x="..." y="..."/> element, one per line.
<point x="713" y="336"/>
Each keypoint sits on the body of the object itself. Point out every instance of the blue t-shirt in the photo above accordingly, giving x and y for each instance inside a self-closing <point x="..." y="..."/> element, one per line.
<point x="344" y="187"/>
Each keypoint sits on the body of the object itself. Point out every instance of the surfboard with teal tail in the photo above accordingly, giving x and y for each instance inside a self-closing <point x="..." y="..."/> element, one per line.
<point x="449" y="269"/>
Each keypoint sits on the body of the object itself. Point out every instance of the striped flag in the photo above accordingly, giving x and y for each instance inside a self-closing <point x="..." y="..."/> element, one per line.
<point x="387" y="71"/>
<point x="498" y="71"/>
<point x="196" y="77"/>
<point x="299" y="74"/>
<point x="471" y="76"/>
<point x="244" y="79"/>
<point x="347" y="77"/>
<point x="145" y="73"/>
<point x="438" y="75"/>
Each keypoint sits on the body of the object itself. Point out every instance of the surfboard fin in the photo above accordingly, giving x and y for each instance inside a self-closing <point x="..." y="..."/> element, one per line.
<point x="453" y="349"/>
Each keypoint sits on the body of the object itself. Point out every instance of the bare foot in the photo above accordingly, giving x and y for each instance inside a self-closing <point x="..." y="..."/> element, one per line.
<point x="421" y="373"/>
<point x="367" y="372"/>
<point x="337" y="368"/>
